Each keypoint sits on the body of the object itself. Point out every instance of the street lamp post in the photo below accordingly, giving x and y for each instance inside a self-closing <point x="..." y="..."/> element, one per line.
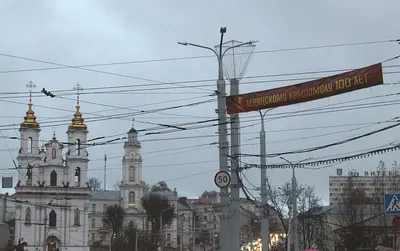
<point x="294" y="203"/>
<point x="264" y="199"/>
<point x="227" y="240"/>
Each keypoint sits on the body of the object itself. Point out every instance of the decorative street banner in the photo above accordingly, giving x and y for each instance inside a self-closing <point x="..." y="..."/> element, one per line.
<point x="307" y="91"/>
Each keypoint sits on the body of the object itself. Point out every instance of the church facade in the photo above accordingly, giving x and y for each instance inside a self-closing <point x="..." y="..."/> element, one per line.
<point x="55" y="209"/>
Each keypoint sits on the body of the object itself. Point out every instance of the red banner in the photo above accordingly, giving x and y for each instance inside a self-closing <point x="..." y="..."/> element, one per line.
<point x="307" y="91"/>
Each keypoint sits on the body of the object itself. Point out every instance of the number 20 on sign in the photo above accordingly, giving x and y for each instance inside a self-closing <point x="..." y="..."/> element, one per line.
<point x="222" y="179"/>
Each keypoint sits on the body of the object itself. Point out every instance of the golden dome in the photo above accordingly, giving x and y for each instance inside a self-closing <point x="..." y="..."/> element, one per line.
<point x="77" y="121"/>
<point x="30" y="118"/>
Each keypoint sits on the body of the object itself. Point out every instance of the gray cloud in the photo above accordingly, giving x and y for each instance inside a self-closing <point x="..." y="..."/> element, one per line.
<point x="93" y="32"/>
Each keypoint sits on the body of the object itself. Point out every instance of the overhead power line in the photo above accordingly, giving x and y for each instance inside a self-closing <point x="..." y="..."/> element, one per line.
<point x="132" y="89"/>
<point x="181" y="58"/>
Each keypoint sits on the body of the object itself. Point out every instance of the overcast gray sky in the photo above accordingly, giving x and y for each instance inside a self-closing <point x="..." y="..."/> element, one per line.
<point x="95" y="32"/>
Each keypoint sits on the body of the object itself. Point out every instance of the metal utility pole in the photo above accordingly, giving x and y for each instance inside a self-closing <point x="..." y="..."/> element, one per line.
<point x="295" y="235"/>
<point x="105" y="172"/>
<point x="290" y="231"/>
<point x="235" y="65"/>
<point x="227" y="236"/>
<point x="264" y="199"/>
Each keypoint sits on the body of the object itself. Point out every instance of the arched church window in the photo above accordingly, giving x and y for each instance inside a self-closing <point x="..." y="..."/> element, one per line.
<point x="131" y="198"/>
<point x="132" y="173"/>
<point x="54" y="153"/>
<point x="78" y="147"/>
<point x="53" y="178"/>
<point x="30" y="145"/>
<point x="77" y="176"/>
<point x="52" y="219"/>
<point x="77" y="216"/>
<point x="28" y="216"/>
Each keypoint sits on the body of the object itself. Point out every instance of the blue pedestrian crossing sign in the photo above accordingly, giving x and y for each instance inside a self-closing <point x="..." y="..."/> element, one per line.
<point x="392" y="204"/>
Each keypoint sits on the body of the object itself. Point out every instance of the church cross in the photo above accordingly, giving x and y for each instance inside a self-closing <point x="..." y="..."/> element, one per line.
<point x="30" y="87"/>
<point x="78" y="88"/>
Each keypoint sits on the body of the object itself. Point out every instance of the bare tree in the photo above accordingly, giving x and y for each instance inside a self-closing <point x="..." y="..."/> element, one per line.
<point x="280" y="199"/>
<point x="353" y="233"/>
<point x="146" y="187"/>
<point x="94" y="184"/>
<point x="159" y="211"/>
<point x="116" y="186"/>
<point x="386" y="180"/>
<point x="311" y="224"/>
<point x="114" y="220"/>
<point x="160" y="186"/>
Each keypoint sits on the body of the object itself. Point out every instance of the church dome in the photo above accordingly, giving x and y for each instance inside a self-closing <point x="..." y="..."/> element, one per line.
<point x="77" y="120"/>
<point x="30" y="118"/>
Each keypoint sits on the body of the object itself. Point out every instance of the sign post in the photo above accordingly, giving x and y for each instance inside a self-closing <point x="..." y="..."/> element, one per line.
<point x="222" y="179"/>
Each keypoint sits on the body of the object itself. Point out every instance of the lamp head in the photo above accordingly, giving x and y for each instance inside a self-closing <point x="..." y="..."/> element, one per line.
<point x="222" y="30"/>
<point x="183" y="43"/>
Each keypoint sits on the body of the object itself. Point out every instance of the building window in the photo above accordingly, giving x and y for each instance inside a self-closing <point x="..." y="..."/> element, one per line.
<point x="54" y="153"/>
<point x="52" y="219"/>
<point x="28" y="216"/>
<point x="104" y="224"/>
<point x="93" y="222"/>
<point x="104" y="208"/>
<point x="131" y="198"/>
<point x="77" y="176"/>
<point x="132" y="173"/>
<point x="53" y="178"/>
<point x="93" y="208"/>
<point x="77" y="216"/>
<point x="30" y="145"/>
<point x="78" y="147"/>
<point x="93" y="237"/>
<point x="168" y="237"/>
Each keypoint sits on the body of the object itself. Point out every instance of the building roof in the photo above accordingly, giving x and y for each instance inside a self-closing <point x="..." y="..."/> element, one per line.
<point x="182" y="207"/>
<point x="202" y="201"/>
<point x="132" y="130"/>
<point x="105" y="195"/>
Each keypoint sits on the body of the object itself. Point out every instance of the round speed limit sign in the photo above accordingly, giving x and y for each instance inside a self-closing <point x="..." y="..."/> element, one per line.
<point x="222" y="179"/>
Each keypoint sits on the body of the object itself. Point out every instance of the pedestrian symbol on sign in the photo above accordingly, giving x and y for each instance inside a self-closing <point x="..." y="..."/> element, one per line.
<point x="394" y="204"/>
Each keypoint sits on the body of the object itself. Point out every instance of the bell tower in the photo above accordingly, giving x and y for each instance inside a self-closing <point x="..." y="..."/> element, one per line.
<point x="131" y="184"/>
<point x="77" y="155"/>
<point x="29" y="152"/>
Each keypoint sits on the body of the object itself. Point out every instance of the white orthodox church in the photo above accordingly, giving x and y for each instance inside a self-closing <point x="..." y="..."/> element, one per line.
<point x="55" y="209"/>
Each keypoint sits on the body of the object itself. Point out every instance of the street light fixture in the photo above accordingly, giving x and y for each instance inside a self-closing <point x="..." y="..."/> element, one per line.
<point x="229" y="240"/>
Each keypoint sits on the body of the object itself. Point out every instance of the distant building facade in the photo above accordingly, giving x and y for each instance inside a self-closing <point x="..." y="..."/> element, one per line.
<point x="54" y="207"/>
<point x="373" y="183"/>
